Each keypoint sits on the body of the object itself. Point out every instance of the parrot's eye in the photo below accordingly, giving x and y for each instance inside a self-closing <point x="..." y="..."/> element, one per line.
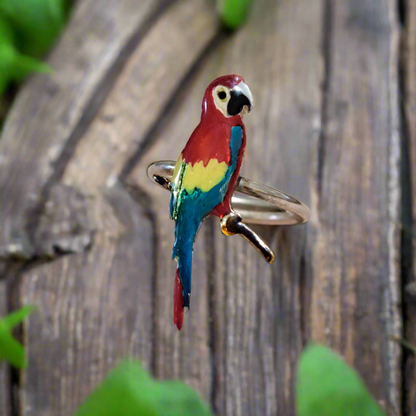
<point x="222" y="95"/>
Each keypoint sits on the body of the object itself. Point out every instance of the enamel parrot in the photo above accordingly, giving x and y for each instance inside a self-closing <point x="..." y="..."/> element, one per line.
<point x="206" y="173"/>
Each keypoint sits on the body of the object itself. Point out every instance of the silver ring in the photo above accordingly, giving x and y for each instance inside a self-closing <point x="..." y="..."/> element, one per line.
<point x="256" y="204"/>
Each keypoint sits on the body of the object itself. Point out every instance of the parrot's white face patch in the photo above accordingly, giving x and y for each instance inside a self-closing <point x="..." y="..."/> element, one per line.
<point x="221" y="97"/>
<point x="232" y="102"/>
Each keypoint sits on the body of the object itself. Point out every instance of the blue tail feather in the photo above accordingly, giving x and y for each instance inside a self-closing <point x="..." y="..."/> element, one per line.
<point x="186" y="228"/>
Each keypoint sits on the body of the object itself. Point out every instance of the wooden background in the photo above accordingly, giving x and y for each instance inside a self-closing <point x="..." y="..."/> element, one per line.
<point x="86" y="237"/>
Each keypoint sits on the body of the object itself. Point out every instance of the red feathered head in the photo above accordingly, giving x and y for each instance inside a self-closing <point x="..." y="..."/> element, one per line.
<point x="228" y="95"/>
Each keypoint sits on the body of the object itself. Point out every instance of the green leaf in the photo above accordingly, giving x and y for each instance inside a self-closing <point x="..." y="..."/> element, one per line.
<point x="233" y="13"/>
<point x="130" y="391"/>
<point x="6" y="61"/>
<point x="7" y="52"/>
<point x="24" y="65"/>
<point x="13" y="65"/>
<point x="327" y="386"/>
<point x="37" y="23"/>
<point x="6" y="32"/>
<point x="17" y="317"/>
<point x="10" y="349"/>
<point x="173" y="398"/>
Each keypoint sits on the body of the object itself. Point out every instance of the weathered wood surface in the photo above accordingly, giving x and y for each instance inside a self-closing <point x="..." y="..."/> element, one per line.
<point x="325" y="128"/>
<point x="354" y="238"/>
<point x="409" y="195"/>
<point x="255" y="308"/>
<point x="109" y="229"/>
<point x="50" y="115"/>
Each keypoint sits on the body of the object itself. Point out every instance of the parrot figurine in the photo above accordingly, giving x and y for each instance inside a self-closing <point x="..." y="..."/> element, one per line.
<point x="205" y="175"/>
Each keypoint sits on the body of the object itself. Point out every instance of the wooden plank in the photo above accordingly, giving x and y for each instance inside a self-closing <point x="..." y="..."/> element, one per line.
<point x="49" y="115"/>
<point x="354" y="240"/>
<point x="255" y="308"/>
<point x="409" y="240"/>
<point x="130" y="104"/>
<point x="94" y="309"/>
<point x="97" y="307"/>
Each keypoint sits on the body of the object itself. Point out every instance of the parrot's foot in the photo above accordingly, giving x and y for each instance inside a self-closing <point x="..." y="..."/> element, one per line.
<point x="232" y="224"/>
<point x="160" y="180"/>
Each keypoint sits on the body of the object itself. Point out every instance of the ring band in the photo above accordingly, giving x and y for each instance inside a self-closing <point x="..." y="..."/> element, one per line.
<point x="257" y="204"/>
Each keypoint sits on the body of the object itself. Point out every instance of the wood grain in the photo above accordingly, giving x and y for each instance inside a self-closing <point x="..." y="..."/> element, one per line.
<point x="409" y="240"/>
<point x="254" y="308"/>
<point x="354" y="239"/>
<point x="94" y="309"/>
<point x="49" y="113"/>
<point x="129" y="79"/>
<point x="97" y="306"/>
<point x="257" y="309"/>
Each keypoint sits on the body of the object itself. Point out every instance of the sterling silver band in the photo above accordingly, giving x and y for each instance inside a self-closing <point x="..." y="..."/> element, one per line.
<point x="256" y="203"/>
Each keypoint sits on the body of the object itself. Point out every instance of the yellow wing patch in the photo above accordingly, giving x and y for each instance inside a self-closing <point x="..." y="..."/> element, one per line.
<point x="203" y="177"/>
<point x="177" y="172"/>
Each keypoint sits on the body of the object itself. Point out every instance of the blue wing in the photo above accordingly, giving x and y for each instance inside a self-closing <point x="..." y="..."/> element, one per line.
<point x="190" y="209"/>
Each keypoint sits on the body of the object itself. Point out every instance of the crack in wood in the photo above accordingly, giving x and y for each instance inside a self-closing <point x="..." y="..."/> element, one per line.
<point x="326" y="56"/>
<point x="211" y="261"/>
<point x="406" y="254"/>
<point x="401" y="8"/>
<point x="12" y="270"/>
<point x="304" y="301"/>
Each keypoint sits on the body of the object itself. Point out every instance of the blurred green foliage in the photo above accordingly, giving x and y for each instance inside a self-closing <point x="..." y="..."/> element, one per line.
<point x="28" y="28"/>
<point x="327" y="386"/>
<point x="10" y="349"/>
<point x="129" y="390"/>
<point x="233" y="13"/>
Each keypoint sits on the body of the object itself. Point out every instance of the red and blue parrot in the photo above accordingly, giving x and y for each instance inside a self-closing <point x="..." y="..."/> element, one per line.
<point x="205" y="174"/>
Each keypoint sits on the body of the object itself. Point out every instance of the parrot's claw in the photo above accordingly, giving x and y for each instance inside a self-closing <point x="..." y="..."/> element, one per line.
<point x="232" y="224"/>
<point x="160" y="180"/>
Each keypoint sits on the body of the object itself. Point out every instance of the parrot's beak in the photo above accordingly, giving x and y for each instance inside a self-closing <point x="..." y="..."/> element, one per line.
<point x="241" y="100"/>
